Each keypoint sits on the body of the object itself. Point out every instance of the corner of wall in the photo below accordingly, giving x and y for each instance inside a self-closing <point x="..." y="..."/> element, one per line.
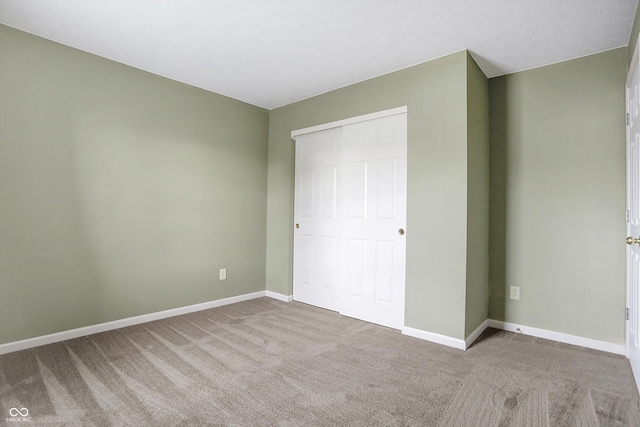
<point x="477" y="279"/>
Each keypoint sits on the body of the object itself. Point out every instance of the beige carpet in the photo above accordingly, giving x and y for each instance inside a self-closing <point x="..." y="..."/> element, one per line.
<point x="265" y="362"/>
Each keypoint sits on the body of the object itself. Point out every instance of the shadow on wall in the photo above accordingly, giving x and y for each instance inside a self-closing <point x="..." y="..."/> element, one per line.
<point x="498" y="184"/>
<point x="49" y="273"/>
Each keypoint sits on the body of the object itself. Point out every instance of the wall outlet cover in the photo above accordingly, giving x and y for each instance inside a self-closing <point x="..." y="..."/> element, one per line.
<point x="514" y="292"/>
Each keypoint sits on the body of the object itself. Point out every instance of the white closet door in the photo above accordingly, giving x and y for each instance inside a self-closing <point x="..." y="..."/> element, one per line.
<point x="374" y="156"/>
<point x="350" y="214"/>
<point x="316" y="241"/>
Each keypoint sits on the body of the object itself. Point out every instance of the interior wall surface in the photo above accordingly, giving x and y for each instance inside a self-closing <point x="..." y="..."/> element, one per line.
<point x="121" y="192"/>
<point x="557" y="196"/>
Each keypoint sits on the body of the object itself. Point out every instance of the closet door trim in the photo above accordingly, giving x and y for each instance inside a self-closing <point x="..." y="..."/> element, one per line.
<point x="349" y="121"/>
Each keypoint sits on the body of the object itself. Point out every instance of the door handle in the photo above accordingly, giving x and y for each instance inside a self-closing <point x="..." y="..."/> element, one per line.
<point x="401" y="231"/>
<point x="632" y="240"/>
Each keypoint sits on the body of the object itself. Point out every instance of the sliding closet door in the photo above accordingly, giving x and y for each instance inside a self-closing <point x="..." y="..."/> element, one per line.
<point x="316" y="241"/>
<point x="350" y="214"/>
<point x="374" y="155"/>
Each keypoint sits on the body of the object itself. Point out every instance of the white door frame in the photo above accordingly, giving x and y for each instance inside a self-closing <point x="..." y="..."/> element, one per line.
<point x="349" y="121"/>
<point x="633" y="69"/>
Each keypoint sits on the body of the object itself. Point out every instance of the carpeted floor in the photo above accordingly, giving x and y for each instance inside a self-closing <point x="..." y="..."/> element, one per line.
<point x="265" y="362"/>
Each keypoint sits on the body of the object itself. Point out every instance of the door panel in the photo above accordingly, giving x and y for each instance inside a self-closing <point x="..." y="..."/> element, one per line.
<point x="358" y="193"/>
<point x="633" y="299"/>
<point x="316" y="241"/>
<point x="376" y="155"/>
<point x="306" y="207"/>
<point x="356" y="263"/>
<point x="329" y="191"/>
<point x="306" y="259"/>
<point x="386" y="194"/>
<point x="328" y="259"/>
<point x="385" y="259"/>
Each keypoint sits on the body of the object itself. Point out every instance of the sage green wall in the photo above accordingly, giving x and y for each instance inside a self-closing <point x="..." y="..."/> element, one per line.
<point x="435" y="94"/>
<point x="633" y="37"/>
<point x="477" y="294"/>
<point x="557" y="200"/>
<point x="121" y="192"/>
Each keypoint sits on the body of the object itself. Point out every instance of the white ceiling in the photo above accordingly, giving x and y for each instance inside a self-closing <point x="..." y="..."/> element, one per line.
<point x="274" y="52"/>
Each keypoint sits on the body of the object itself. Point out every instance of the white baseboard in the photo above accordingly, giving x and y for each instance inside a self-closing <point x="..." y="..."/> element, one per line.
<point x="281" y="297"/>
<point x="560" y="337"/>
<point x="417" y="333"/>
<point x="475" y="334"/>
<point x="512" y="327"/>
<point x="435" y="338"/>
<point x="129" y="321"/>
<point x="446" y="340"/>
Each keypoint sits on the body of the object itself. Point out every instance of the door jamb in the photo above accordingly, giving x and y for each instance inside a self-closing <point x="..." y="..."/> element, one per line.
<point x="633" y="66"/>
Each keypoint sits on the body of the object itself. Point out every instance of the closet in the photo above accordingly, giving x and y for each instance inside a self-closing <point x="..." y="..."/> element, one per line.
<point x="350" y="216"/>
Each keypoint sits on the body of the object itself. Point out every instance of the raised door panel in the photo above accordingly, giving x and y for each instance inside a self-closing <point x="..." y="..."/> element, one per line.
<point x="357" y="267"/>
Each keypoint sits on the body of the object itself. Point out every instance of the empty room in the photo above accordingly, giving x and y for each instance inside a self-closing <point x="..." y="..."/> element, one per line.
<point x="319" y="212"/>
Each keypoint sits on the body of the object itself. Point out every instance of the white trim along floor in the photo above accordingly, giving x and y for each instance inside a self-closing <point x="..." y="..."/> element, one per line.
<point x="417" y="333"/>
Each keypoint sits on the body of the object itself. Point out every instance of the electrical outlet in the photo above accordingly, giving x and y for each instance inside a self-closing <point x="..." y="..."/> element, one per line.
<point x="514" y="292"/>
<point x="223" y="274"/>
